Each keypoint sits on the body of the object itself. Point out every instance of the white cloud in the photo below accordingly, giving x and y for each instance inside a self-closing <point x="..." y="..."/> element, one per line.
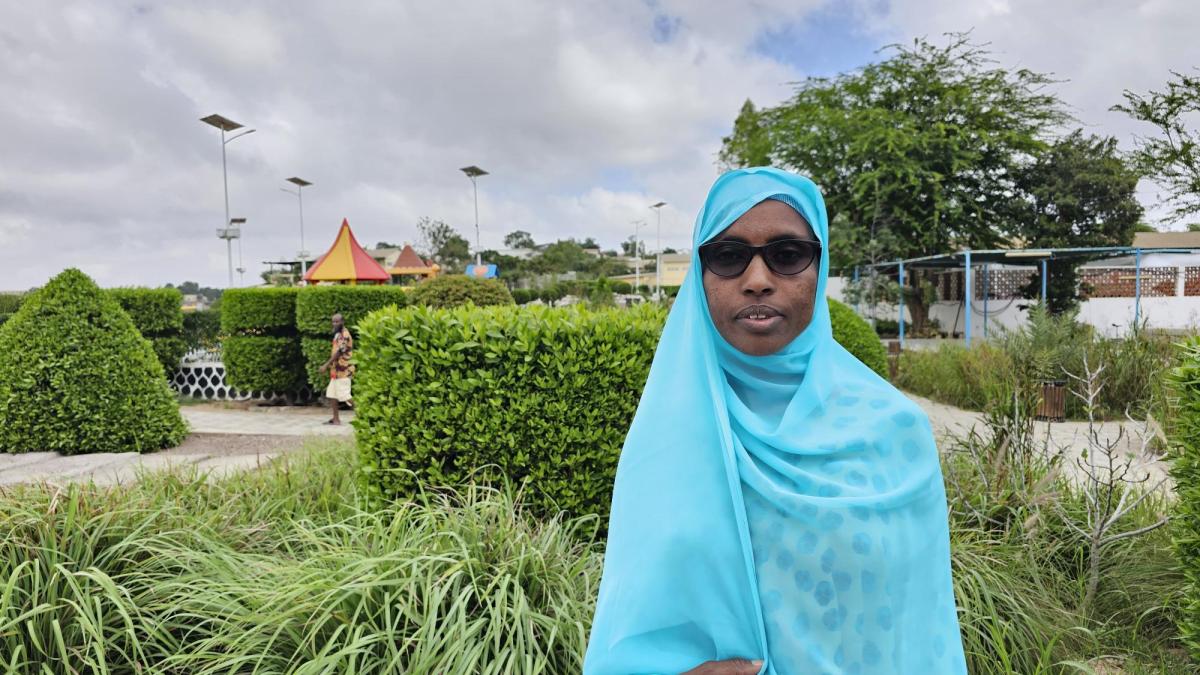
<point x="581" y="116"/>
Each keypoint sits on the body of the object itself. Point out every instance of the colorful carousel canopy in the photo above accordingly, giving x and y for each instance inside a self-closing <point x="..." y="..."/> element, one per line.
<point x="409" y="263"/>
<point x="346" y="262"/>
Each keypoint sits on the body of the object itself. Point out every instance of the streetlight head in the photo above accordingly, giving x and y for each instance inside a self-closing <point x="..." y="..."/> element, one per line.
<point x="658" y="205"/>
<point x="222" y="123"/>
<point x="473" y="171"/>
<point x="237" y="221"/>
<point x="299" y="181"/>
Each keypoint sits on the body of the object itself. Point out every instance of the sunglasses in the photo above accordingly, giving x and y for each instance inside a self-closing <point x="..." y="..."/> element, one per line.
<point x="787" y="257"/>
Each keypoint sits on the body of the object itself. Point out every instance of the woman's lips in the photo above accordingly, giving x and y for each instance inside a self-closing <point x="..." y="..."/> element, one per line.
<point x="759" y="318"/>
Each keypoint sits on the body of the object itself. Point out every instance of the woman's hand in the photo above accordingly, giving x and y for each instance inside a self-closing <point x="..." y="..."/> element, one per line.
<point x="729" y="667"/>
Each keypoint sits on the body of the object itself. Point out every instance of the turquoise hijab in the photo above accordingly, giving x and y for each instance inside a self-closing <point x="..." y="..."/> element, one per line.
<point x="788" y="507"/>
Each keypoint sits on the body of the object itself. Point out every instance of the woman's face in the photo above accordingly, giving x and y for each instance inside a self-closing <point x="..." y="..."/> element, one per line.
<point x="759" y="312"/>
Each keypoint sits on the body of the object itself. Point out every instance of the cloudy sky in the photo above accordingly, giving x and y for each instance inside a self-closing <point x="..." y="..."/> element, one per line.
<point x="584" y="113"/>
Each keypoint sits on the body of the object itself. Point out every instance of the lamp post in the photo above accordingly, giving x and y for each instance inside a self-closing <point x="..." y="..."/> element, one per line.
<point x="300" y="184"/>
<point x="637" y="260"/>
<point x="235" y="225"/>
<point x="658" y="249"/>
<point x="474" y="172"/>
<point x="225" y="125"/>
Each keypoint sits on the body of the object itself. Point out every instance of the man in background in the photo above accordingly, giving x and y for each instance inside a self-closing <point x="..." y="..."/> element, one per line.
<point x="339" y="367"/>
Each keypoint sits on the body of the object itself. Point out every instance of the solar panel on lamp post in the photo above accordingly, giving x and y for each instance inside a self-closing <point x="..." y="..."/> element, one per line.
<point x="300" y="184"/>
<point x="658" y="250"/>
<point x="474" y="172"/>
<point x="225" y="124"/>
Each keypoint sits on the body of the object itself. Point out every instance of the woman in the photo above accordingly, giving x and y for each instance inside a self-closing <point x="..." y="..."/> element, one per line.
<point x="778" y="507"/>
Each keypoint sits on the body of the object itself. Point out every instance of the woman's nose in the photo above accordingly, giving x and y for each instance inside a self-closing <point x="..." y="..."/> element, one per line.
<point x="757" y="279"/>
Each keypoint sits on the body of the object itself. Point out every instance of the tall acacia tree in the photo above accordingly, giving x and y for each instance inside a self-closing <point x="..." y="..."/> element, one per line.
<point x="1173" y="156"/>
<point x="926" y="146"/>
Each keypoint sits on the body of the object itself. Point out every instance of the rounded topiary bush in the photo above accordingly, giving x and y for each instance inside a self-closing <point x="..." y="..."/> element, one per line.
<point x="76" y="376"/>
<point x="457" y="289"/>
<point x="856" y="335"/>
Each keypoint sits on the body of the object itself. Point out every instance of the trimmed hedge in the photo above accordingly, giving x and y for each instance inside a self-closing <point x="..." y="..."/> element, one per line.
<point x="11" y="302"/>
<point x="259" y="311"/>
<point x="262" y="350"/>
<point x="315" y="305"/>
<point x="155" y="311"/>
<point x="267" y="363"/>
<point x="457" y="289"/>
<point x="532" y="394"/>
<point x="76" y="376"/>
<point x="856" y="335"/>
<point x="1184" y="381"/>
<point x="158" y="315"/>
<point x="202" y="329"/>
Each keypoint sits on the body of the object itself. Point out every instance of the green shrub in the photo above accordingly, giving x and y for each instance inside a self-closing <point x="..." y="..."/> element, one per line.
<point x="262" y="350"/>
<point x="76" y="376"/>
<point x="10" y="302"/>
<point x="315" y="305"/>
<point x="259" y="311"/>
<point x="855" y="334"/>
<point x="155" y="311"/>
<point x="315" y="352"/>
<point x="887" y="328"/>
<point x="202" y="329"/>
<point x="169" y="350"/>
<point x="501" y="393"/>
<point x="1048" y="348"/>
<point x="456" y="289"/>
<point x="522" y="296"/>
<point x="1185" y="470"/>
<point x="263" y="363"/>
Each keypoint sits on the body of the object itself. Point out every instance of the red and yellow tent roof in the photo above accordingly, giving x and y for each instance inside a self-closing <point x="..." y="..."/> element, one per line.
<point x="409" y="263"/>
<point x="346" y="261"/>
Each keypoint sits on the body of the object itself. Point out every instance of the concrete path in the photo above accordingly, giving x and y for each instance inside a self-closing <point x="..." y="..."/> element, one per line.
<point x="1069" y="439"/>
<point x="271" y="421"/>
<point x="223" y="440"/>
<point x="235" y="437"/>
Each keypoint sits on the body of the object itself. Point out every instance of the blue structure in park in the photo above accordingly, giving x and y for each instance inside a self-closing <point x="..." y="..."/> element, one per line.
<point x="968" y="260"/>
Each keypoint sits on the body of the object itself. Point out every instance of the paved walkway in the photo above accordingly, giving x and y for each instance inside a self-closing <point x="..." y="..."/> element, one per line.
<point x="223" y="440"/>
<point x="239" y="437"/>
<point x="1068" y="438"/>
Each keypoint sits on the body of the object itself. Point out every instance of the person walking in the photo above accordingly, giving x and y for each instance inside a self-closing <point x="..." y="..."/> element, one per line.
<point x="339" y="367"/>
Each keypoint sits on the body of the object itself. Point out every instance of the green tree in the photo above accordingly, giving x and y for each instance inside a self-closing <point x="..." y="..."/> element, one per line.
<point x="1173" y="157"/>
<point x="519" y="239"/>
<point x="1079" y="192"/>
<point x="924" y="145"/>
<point x="443" y="244"/>
<point x="564" y="255"/>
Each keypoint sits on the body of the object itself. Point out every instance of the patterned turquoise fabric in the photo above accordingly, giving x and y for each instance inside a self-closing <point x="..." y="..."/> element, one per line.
<point x="788" y="508"/>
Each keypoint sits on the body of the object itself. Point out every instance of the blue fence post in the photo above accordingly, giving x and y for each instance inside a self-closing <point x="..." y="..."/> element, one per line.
<point x="987" y="290"/>
<point x="1045" y="274"/>
<point x="1137" y="289"/>
<point x="968" y="291"/>
<point x="901" y="305"/>
<point x="857" y="294"/>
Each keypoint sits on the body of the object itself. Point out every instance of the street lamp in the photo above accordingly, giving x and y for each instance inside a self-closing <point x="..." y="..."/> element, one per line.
<point x="300" y="184"/>
<point x="637" y="261"/>
<point x="235" y="224"/>
<point x="658" y="248"/>
<point x="474" y="172"/>
<point x="225" y="124"/>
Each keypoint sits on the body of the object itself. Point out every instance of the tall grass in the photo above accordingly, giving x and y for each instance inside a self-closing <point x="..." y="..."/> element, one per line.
<point x="285" y="570"/>
<point x="282" y="571"/>
<point x="987" y="374"/>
